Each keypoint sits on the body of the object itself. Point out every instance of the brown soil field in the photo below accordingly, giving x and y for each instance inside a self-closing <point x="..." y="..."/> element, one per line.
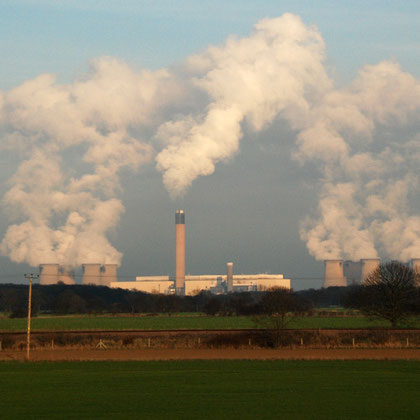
<point x="213" y="354"/>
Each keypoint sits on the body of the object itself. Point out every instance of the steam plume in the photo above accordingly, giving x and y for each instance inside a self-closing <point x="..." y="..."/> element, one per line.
<point x="192" y="117"/>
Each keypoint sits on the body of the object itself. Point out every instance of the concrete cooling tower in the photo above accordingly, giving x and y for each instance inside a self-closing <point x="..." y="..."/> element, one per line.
<point x="415" y="264"/>
<point x="334" y="275"/>
<point x="108" y="274"/>
<point x="180" y="251"/>
<point x="352" y="272"/>
<point x="369" y="265"/>
<point x="66" y="275"/>
<point x="91" y="274"/>
<point x="48" y="273"/>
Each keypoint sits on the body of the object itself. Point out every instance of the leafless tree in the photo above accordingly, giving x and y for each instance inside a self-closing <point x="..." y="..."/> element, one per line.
<point x="279" y="308"/>
<point x="390" y="292"/>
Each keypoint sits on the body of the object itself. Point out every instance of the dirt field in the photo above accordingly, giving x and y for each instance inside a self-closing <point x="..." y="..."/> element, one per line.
<point x="215" y="354"/>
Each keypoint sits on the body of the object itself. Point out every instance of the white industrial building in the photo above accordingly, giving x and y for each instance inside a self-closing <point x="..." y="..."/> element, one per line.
<point x="211" y="283"/>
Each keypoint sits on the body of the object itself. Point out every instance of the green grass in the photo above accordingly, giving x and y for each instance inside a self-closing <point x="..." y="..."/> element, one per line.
<point x="211" y="390"/>
<point x="179" y="322"/>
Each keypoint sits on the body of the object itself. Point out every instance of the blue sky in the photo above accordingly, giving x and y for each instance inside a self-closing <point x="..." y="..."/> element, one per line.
<point x="269" y="190"/>
<point x="62" y="36"/>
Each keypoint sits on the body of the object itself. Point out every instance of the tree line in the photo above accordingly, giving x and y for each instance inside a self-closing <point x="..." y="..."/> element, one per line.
<point x="391" y="292"/>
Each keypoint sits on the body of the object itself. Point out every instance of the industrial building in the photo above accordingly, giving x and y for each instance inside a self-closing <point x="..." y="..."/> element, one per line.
<point x="191" y="285"/>
<point x="217" y="284"/>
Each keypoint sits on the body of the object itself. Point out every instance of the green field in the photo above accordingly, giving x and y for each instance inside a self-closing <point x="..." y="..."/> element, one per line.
<point x="211" y="390"/>
<point x="180" y="322"/>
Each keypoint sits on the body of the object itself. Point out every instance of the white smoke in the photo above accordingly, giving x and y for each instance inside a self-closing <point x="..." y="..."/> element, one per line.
<point x="191" y="118"/>
<point x="68" y="211"/>
<point x="278" y="70"/>
<point x="367" y="178"/>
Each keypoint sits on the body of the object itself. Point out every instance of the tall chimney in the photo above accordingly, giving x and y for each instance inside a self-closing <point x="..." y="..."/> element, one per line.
<point x="334" y="275"/>
<point x="229" y="277"/>
<point x="48" y="273"/>
<point x="369" y="265"/>
<point x="91" y="274"/>
<point x="179" y="251"/>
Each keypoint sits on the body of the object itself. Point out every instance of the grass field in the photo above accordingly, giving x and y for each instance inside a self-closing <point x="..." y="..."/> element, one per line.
<point x="211" y="390"/>
<point x="180" y="322"/>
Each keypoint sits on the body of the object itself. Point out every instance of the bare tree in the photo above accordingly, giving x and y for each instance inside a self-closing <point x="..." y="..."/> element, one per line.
<point x="389" y="292"/>
<point x="279" y="308"/>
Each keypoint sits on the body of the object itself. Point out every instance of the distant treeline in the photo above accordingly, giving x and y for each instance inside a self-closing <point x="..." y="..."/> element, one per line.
<point x="82" y="299"/>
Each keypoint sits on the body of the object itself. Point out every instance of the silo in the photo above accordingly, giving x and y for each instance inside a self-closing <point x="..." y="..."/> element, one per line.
<point x="369" y="265"/>
<point x="179" y="251"/>
<point x="334" y="275"/>
<point x="229" y="277"/>
<point x="48" y="273"/>
<point x="66" y="275"/>
<point x="91" y="274"/>
<point x="108" y="274"/>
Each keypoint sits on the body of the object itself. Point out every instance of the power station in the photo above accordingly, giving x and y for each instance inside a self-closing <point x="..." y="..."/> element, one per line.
<point x="191" y="285"/>
<point x="336" y="273"/>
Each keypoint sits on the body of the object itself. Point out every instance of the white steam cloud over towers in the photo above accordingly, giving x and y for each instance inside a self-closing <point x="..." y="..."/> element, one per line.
<point x="76" y="138"/>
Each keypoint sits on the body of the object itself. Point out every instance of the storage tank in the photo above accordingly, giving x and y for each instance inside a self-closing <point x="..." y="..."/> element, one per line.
<point x="48" y="273"/>
<point x="91" y="274"/>
<point x="334" y="275"/>
<point x="369" y="265"/>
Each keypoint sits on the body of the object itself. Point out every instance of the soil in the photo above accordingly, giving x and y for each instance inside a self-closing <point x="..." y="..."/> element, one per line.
<point x="213" y="354"/>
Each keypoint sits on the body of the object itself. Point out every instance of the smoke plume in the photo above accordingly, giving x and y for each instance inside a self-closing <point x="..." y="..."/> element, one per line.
<point x="75" y="139"/>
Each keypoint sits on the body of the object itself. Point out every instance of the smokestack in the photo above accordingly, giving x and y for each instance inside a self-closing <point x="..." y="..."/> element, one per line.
<point x="66" y="275"/>
<point x="108" y="274"/>
<point x="91" y="274"/>
<point x="229" y="276"/>
<point x="369" y="265"/>
<point x="334" y="275"/>
<point x="48" y="273"/>
<point x="179" y="251"/>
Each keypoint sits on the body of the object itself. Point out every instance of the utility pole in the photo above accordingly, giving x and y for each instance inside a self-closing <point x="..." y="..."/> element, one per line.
<point x="28" y="335"/>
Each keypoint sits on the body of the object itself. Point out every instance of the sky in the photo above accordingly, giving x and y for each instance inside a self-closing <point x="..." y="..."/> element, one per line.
<point x="232" y="111"/>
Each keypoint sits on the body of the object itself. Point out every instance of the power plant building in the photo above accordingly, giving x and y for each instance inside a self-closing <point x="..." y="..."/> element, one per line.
<point x="212" y="283"/>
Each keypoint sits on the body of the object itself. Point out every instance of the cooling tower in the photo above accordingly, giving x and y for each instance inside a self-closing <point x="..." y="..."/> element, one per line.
<point x="334" y="275"/>
<point x="368" y="266"/>
<point x="179" y="251"/>
<point x="415" y="264"/>
<point x="229" y="277"/>
<point x="108" y="274"/>
<point x="66" y="275"/>
<point x="352" y="272"/>
<point x="48" y="273"/>
<point x="91" y="274"/>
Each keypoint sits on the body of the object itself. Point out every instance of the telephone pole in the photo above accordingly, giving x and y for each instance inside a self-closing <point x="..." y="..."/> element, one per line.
<point x="28" y="335"/>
